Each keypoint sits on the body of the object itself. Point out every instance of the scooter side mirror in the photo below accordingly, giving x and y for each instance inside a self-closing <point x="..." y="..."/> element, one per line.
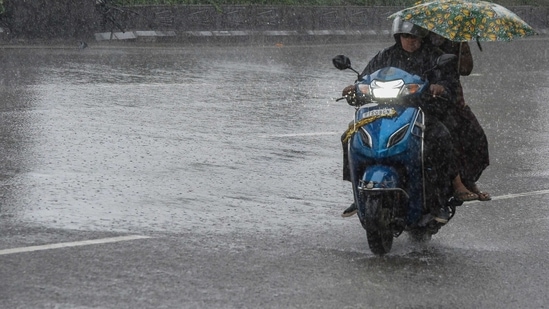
<point x="341" y="62"/>
<point x="439" y="62"/>
<point x="444" y="59"/>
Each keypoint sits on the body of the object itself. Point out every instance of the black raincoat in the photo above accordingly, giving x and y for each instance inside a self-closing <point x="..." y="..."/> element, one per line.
<point x="468" y="135"/>
<point x="419" y="62"/>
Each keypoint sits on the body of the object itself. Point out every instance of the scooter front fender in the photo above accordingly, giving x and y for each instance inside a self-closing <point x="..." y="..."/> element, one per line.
<point x="380" y="178"/>
<point x="382" y="181"/>
<point x="387" y="180"/>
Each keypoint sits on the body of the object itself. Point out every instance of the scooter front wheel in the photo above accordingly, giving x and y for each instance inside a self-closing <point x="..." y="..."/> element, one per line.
<point x="377" y="223"/>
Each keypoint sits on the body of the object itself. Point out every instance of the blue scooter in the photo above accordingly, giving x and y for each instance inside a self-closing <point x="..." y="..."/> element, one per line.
<point x="386" y="154"/>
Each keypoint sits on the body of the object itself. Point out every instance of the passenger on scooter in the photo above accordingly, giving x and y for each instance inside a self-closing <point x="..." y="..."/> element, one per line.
<point x="412" y="54"/>
<point x="467" y="134"/>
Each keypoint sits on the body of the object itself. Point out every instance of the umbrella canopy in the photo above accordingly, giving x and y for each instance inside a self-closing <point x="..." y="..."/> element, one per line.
<point x="467" y="20"/>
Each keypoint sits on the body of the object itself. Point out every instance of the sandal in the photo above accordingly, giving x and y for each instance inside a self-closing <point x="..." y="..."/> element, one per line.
<point x="466" y="196"/>
<point x="482" y="196"/>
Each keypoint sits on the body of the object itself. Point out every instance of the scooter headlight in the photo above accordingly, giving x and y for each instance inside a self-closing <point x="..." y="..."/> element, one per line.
<point x="392" y="89"/>
<point x="386" y="90"/>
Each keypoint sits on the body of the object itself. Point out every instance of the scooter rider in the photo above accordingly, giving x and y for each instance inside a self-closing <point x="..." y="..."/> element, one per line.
<point x="411" y="54"/>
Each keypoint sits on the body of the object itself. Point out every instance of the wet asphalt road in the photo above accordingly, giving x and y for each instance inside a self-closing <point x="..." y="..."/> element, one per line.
<point x="221" y="167"/>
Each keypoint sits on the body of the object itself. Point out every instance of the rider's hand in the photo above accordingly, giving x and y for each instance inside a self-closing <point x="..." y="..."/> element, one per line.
<point x="348" y="91"/>
<point x="437" y="90"/>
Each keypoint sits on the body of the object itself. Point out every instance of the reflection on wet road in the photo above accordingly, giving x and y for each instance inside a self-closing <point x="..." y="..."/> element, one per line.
<point x="167" y="139"/>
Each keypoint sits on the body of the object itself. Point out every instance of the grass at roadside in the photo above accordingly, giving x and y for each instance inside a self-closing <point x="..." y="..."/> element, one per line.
<point x="310" y="2"/>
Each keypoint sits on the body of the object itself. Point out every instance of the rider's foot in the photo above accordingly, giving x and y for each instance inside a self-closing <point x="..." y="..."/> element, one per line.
<point x="466" y="196"/>
<point x="461" y="192"/>
<point x="350" y="211"/>
<point x="442" y="216"/>
<point x="482" y="196"/>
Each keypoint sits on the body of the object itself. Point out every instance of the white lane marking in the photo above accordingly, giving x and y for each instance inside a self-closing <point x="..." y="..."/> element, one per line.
<point x="72" y="244"/>
<point x="300" y="134"/>
<point x="508" y="196"/>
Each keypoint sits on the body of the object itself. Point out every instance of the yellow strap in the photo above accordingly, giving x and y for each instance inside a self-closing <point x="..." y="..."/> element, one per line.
<point x="353" y="127"/>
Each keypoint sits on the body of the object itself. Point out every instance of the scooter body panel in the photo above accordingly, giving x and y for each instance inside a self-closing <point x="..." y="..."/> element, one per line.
<point x="380" y="161"/>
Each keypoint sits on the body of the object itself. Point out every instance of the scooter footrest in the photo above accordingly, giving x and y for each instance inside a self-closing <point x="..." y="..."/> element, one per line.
<point x="454" y="202"/>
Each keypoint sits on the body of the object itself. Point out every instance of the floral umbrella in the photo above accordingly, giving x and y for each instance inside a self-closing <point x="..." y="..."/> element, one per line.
<point x="467" y="20"/>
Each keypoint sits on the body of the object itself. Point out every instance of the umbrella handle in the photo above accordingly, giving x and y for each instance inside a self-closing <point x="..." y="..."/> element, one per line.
<point x="459" y="57"/>
<point x="478" y="44"/>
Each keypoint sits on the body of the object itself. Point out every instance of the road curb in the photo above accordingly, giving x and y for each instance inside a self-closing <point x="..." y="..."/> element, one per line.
<point x="242" y="35"/>
<point x="137" y="34"/>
